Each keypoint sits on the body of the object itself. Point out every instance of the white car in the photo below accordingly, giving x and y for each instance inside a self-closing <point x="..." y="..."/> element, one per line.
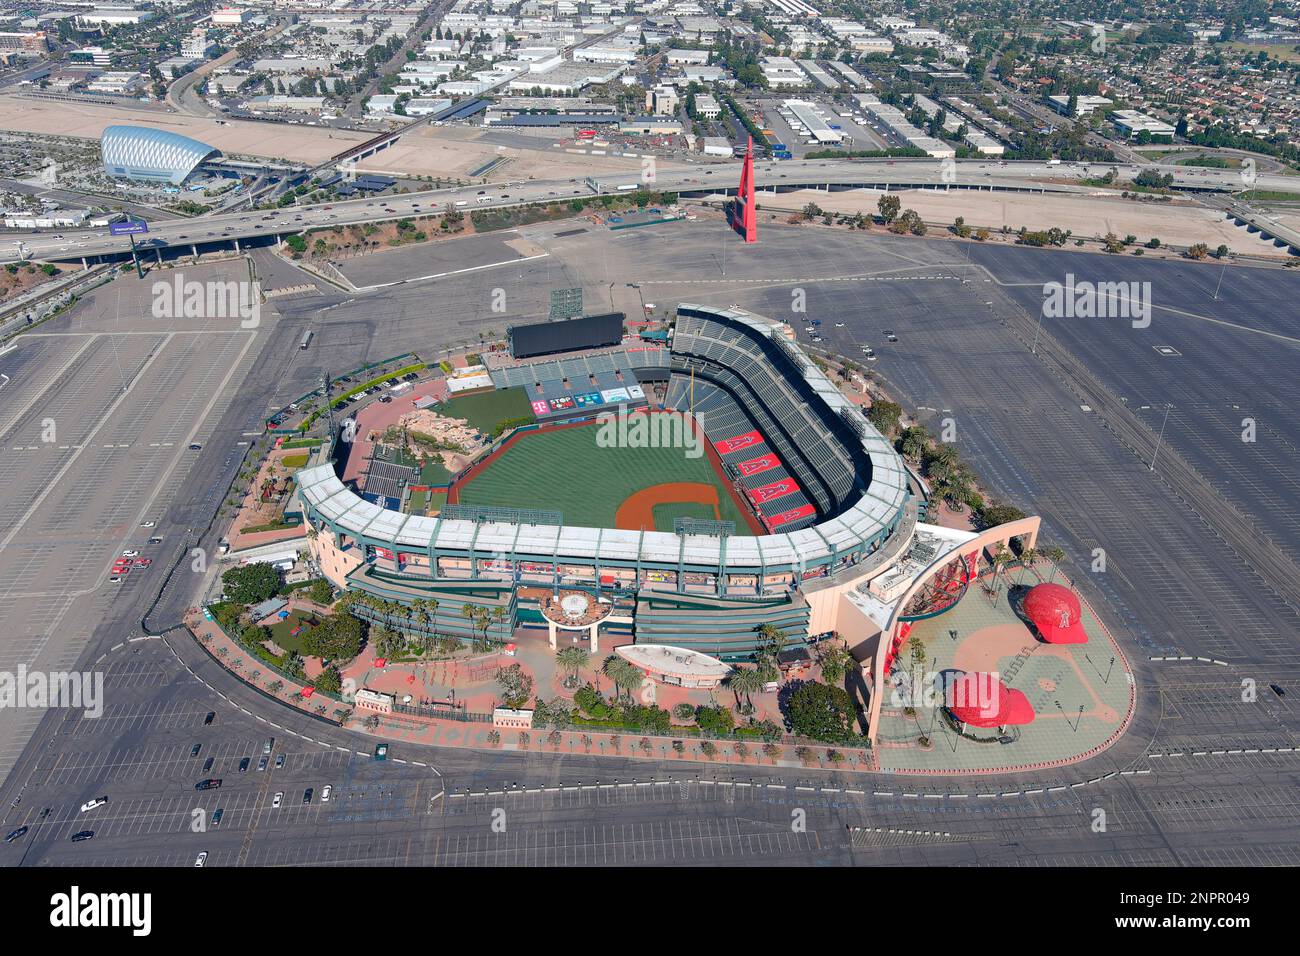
<point x="201" y="858"/>
<point x="130" y="554"/>
<point x="325" y="794"/>
<point x="148" y="524"/>
<point x="275" y="804"/>
<point x="91" y="804"/>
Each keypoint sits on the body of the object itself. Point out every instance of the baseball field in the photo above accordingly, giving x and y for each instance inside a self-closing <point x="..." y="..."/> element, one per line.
<point x="565" y="469"/>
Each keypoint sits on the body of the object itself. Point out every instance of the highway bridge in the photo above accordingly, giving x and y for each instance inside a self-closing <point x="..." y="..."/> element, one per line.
<point x="238" y="228"/>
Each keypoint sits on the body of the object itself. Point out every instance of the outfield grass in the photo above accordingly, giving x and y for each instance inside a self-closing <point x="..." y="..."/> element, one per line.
<point x="564" y="470"/>
<point x="483" y="410"/>
<point x="433" y="473"/>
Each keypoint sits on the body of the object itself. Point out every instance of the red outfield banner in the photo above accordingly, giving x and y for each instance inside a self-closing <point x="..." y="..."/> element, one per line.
<point x="760" y="464"/>
<point x="793" y="514"/>
<point x="765" y="493"/>
<point x="747" y="440"/>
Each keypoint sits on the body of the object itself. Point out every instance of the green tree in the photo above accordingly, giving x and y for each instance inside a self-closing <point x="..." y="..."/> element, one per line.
<point x="250" y="583"/>
<point x="888" y="207"/>
<point x="821" y="712"/>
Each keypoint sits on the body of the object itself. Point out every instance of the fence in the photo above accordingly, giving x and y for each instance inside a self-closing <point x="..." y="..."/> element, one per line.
<point x="441" y="713"/>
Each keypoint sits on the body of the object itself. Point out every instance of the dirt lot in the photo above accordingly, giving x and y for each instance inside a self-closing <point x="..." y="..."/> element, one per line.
<point x="454" y="152"/>
<point x="1089" y="216"/>
<point x="303" y="144"/>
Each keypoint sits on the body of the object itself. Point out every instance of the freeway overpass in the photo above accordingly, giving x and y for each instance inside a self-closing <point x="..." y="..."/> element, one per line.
<point x="236" y="228"/>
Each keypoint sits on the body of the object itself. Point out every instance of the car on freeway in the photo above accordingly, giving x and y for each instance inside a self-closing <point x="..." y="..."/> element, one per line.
<point x="279" y="761"/>
<point x="212" y="715"/>
<point x="243" y="764"/>
<point x="275" y="803"/>
<point x="207" y="765"/>
<point x="83" y="835"/>
<point x="201" y="858"/>
<point x="194" y="751"/>
<point x="325" y="794"/>
<point x="208" y="784"/>
<point x="217" y="814"/>
<point x="91" y="804"/>
<point x="381" y="751"/>
<point x="306" y="795"/>
<point x="15" y="834"/>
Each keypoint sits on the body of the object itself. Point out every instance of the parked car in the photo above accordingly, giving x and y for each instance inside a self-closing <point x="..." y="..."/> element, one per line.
<point x="279" y="761"/>
<point x="243" y="764"/>
<point x="217" y="814"/>
<point x="325" y="794"/>
<point x="208" y="784"/>
<point x="306" y="795"/>
<point x="91" y="804"/>
<point x="83" y="835"/>
<point x="201" y="858"/>
<point x="212" y="715"/>
<point x="275" y="803"/>
<point x="261" y="763"/>
<point x="194" y="751"/>
<point x="207" y="765"/>
<point x="15" y="834"/>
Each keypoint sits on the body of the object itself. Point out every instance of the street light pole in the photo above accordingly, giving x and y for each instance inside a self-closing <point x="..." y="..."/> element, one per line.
<point x="1160" y="437"/>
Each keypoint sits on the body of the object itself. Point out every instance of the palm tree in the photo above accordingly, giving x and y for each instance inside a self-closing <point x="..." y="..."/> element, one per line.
<point x="624" y="675"/>
<point x="1027" y="557"/>
<point x="1056" y="556"/>
<point x="470" y="613"/>
<point x="915" y="442"/>
<point x="573" y="659"/>
<point x="745" y="680"/>
<point x="772" y="640"/>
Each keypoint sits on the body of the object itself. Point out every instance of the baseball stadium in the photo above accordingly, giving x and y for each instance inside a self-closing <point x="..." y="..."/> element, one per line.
<point x="695" y="493"/>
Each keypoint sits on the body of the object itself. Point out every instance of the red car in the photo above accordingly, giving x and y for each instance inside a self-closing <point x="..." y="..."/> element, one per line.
<point x="143" y="562"/>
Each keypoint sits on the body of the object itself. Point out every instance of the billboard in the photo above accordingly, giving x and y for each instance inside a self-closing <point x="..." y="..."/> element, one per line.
<point x="128" y="227"/>
<point x="585" y="332"/>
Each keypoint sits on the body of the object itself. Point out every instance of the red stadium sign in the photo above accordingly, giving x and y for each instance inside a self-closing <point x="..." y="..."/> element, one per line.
<point x="793" y="514"/>
<point x="765" y="493"/>
<point x="747" y="440"/>
<point x="756" y="465"/>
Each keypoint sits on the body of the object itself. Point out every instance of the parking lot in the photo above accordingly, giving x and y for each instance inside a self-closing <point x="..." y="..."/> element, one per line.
<point x="100" y="410"/>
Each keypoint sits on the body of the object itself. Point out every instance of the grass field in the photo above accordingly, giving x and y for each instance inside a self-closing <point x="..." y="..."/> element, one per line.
<point x="484" y="410"/>
<point x="280" y="631"/>
<point x="565" y="470"/>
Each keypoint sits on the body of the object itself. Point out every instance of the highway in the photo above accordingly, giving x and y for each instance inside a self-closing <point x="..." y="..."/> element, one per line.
<point x="71" y="245"/>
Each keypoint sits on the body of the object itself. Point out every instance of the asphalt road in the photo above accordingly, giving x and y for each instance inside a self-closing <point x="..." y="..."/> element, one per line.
<point x="224" y="228"/>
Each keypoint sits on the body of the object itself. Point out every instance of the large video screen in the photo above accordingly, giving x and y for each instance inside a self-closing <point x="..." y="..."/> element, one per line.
<point x="585" y="332"/>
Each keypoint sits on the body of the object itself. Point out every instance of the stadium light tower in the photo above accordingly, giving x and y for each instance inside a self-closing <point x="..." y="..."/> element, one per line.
<point x="747" y="221"/>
